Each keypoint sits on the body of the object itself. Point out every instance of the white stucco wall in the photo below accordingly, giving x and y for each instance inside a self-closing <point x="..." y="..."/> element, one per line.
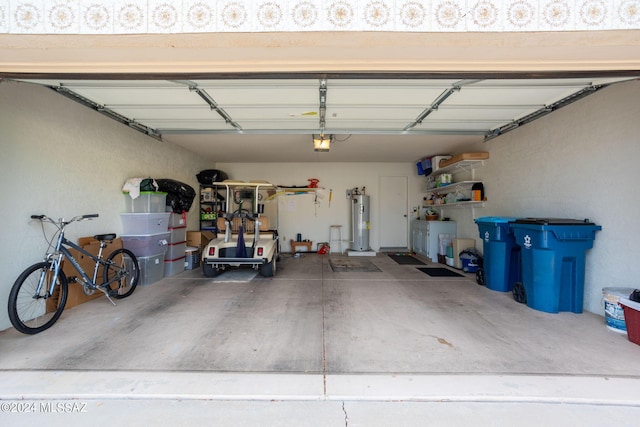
<point x="62" y="159"/>
<point x="312" y="218"/>
<point x="579" y="162"/>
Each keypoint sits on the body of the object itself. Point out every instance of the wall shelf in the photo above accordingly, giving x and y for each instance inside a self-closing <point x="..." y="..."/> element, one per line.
<point x="464" y="204"/>
<point x="461" y="166"/>
<point x="455" y="186"/>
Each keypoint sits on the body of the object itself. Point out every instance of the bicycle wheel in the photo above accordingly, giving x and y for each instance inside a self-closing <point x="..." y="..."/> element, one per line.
<point x="31" y="312"/>
<point x="121" y="267"/>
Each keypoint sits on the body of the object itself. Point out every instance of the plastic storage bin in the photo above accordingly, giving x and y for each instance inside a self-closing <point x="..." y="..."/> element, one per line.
<point x="151" y="269"/>
<point x="146" y="202"/>
<point x="501" y="254"/>
<point x="178" y="234"/>
<point x="146" y="245"/>
<point x="553" y="252"/>
<point x="176" y="250"/>
<point x="144" y="223"/>
<point x="632" y="319"/>
<point x="174" y="266"/>
<point x="178" y="220"/>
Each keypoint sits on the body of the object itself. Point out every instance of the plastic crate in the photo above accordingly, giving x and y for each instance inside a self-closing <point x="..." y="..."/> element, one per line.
<point x="178" y="234"/>
<point x="144" y="223"/>
<point x="146" y="202"/>
<point x="146" y="245"/>
<point x="151" y="269"/>
<point x="178" y="220"/>
<point x="176" y="250"/>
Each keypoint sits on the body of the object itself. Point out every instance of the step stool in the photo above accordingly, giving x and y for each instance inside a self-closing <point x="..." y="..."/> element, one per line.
<point x="335" y="235"/>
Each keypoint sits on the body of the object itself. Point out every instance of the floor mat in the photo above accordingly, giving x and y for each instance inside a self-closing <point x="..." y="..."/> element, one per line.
<point x="440" y="272"/>
<point x="406" y="259"/>
<point x="352" y="265"/>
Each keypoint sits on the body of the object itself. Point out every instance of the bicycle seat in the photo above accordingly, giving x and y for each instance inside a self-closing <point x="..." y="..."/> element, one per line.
<point x="102" y="237"/>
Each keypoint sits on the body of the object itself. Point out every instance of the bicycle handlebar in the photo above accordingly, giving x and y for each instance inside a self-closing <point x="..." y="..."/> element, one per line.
<point x="75" y="218"/>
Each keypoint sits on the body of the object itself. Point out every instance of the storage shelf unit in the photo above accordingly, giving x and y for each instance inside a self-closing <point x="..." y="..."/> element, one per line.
<point x="227" y="196"/>
<point x="463" y="186"/>
<point x="210" y="205"/>
<point x="456" y="186"/>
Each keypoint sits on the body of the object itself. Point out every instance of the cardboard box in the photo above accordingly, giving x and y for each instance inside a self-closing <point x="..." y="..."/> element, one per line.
<point x="199" y="239"/>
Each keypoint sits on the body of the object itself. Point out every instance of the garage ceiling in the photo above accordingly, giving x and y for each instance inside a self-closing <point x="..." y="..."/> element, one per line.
<point x="381" y="119"/>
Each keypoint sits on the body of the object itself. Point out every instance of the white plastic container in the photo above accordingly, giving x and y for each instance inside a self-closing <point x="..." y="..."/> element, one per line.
<point x="151" y="269"/>
<point x="144" y="223"/>
<point x="177" y="220"/>
<point x="176" y="250"/>
<point x="146" y="202"/>
<point x="146" y="244"/>
<point x="178" y="234"/>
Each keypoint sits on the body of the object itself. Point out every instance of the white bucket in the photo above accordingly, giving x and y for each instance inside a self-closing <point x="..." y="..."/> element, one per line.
<point x="613" y="312"/>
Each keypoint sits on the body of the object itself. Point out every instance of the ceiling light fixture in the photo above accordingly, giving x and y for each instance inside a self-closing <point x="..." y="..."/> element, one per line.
<point x="322" y="142"/>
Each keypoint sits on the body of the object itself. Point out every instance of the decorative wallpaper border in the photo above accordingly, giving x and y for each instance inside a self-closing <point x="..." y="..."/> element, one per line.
<point x="229" y="16"/>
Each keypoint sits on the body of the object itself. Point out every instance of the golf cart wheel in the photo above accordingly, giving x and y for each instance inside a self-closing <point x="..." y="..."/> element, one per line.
<point x="269" y="269"/>
<point x="210" y="271"/>
<point x="480" y="279"/>
<point x="519" y="293"/>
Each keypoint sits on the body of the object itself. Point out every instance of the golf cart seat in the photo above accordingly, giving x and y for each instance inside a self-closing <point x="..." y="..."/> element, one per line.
<point x="249" y="225"/>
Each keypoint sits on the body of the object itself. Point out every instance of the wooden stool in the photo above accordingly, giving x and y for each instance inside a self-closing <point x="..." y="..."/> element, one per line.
<point x="295" y="245"/>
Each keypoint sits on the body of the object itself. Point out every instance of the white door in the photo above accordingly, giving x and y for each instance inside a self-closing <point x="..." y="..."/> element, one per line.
<point x="393" y="212"/>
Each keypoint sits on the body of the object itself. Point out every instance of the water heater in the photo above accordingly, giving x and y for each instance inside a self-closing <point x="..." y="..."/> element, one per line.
<point x="360" y="222"/>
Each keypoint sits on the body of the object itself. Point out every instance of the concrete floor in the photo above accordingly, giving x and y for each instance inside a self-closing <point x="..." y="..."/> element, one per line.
<point x="315" y="347"/>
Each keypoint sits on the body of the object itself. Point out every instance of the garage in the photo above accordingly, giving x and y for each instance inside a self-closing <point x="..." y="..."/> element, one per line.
<point x="312" y="342"/>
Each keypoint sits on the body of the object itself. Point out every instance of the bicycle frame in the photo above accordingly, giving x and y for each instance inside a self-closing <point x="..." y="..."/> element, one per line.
<point x="32" y="310"/>
<point x="62" y="251"/>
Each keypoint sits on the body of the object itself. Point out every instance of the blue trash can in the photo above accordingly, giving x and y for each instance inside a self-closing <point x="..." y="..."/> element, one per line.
<point x="553" y="254"/>
<point x="500" y="251"/>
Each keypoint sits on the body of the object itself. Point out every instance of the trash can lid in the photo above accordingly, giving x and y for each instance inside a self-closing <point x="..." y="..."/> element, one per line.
<point x="554" y="221"/>
<point x="496" y="219"/>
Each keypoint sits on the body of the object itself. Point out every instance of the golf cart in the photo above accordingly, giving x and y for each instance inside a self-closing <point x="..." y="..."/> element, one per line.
<point x="248" y="239"/>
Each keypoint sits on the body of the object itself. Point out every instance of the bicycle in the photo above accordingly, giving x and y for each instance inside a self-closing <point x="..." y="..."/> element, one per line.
<point x="39" y="294"/>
